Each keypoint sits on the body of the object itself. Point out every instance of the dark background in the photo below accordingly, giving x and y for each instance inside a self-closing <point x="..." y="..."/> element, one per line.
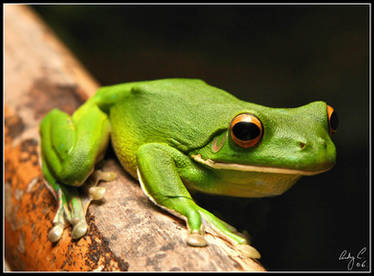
<point x="279" y="56"/>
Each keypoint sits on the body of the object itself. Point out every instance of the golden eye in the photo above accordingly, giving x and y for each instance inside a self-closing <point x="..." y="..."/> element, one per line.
<point x="333" y="119"/>
<point x="246" y="130"/>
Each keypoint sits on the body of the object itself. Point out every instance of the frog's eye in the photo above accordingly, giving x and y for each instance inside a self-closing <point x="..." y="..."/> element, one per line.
<point x="246" y="130"/>
<point x="333" y="119"/>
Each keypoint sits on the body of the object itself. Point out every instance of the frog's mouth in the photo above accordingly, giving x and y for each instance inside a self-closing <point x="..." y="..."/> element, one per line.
<point x="252" y="168"/>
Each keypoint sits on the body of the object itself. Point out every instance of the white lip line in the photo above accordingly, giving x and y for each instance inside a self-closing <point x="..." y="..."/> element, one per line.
<point x="251" y="168"/>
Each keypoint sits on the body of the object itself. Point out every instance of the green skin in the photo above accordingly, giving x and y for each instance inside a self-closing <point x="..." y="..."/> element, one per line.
<point x="173" y="136"/>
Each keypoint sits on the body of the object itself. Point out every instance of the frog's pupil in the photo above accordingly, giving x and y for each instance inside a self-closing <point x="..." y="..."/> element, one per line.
<point x="246" y="131"/>
<point x="334" y="121"/>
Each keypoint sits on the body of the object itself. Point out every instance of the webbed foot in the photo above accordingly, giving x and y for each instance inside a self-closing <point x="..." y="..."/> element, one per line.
<point x="229" y="233"/>
<point x="73" y="205"/>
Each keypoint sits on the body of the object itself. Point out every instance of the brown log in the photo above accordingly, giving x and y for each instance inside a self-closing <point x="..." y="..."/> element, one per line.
<point x="126" y="231"/>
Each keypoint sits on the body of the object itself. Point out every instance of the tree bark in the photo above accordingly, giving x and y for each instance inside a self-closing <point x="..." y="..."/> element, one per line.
<point x="126" y="232"/>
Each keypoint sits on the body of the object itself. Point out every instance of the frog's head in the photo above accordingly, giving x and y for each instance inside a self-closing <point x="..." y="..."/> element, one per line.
<point x="287" y="142"/>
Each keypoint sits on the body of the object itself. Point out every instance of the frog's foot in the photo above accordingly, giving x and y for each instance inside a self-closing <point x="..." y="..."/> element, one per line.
<point x="73" y="205"/>
<point x="229" y="233"/>
<point x="69" y="211"/>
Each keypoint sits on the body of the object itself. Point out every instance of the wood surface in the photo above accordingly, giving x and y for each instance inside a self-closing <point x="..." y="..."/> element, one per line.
<point x="126" y="231"/>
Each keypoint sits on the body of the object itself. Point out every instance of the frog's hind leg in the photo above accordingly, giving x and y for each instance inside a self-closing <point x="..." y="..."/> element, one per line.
<point x="69" y="209"/>
<point x="70" y="148"/>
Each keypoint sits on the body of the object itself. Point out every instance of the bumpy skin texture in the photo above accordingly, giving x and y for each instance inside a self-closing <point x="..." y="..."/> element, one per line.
<point x="174" y="133"/>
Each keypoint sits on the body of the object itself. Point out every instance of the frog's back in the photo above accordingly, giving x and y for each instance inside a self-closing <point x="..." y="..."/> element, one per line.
<point x="183" y="113"/>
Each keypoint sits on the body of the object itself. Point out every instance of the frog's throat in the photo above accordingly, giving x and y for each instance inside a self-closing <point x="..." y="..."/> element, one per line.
<point x="251" y="168"/>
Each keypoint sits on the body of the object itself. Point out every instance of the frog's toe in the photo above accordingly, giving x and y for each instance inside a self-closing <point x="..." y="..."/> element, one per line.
<point x="61" y="219"/>
<point x="248" y="251"/>
<point x="218" y="227"/>
<point x="105" y="176"/>
<point x="100" y="175"/>
<point x="79" y="229"/>
<point x="96" y="193"/>
<point x="56" y="232"/>
<point x="92" y="191"/>
<point x="196" y="239"/>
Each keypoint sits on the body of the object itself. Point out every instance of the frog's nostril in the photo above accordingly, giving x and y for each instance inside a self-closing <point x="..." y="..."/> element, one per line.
<point x="322" y="143"/>
<point x="302" y="145"/>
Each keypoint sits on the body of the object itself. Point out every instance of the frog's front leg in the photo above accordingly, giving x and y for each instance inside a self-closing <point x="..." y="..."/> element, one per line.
<point x="160" y="181"/>
<point x="160" y="168"/>
<point x="70" y="148"/>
